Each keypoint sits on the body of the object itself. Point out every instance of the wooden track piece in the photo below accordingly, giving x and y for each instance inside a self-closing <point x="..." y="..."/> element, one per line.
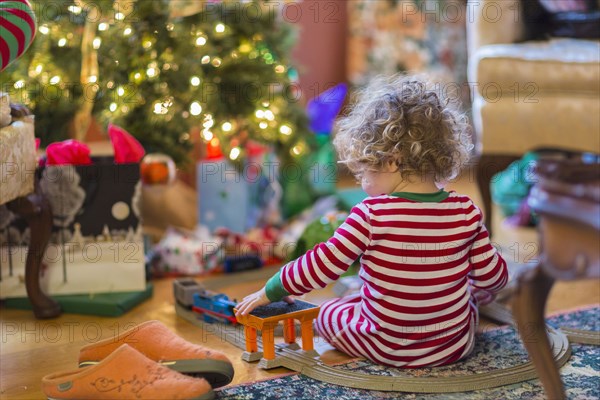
<point x="306" y="364"/>
<point x="499" y="313"/>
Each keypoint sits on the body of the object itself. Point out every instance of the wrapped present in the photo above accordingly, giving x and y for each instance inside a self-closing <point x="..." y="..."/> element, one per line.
<point x="239" y="200"/>
<point x="182" y="252"/>
<point x="222" y="196"/>
<point x="96" y="244"/>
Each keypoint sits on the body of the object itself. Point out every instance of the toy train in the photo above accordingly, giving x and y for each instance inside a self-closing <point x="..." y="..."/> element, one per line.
<point x="213" y="307"/>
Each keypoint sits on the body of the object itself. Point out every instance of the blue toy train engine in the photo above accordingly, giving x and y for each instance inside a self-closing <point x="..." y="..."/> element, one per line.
<point x="214" y="307"/>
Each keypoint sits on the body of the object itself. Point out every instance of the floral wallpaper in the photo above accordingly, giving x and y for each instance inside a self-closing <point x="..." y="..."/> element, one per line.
<point x="389" y="36"/>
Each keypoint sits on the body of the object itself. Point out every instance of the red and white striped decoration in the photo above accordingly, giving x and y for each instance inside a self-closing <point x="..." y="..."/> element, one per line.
<point x="419" y="261"/>
<point x="17" y="30"/>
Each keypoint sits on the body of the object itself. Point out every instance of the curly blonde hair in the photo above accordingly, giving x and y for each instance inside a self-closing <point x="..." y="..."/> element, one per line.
<point x="402" y="120"/>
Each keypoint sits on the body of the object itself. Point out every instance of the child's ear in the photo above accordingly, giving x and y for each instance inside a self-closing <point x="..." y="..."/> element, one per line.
<point x="392" y="165"/>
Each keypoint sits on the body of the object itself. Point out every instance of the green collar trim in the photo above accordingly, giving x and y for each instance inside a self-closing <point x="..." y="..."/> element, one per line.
<point x="423" y="197"/>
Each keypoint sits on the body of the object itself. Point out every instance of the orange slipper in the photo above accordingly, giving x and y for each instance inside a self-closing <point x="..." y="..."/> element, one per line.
<point x="125" y="374"/>
<point x="157" y="342"/>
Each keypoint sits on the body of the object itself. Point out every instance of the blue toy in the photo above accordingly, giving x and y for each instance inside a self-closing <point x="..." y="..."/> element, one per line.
<point x="214" y="307"/>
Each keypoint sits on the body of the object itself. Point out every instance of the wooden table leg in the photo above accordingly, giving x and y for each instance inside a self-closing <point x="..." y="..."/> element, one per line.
<point x="528" y="304"/>
<point x="36" y="210"/>
<point x="487" y="166"/>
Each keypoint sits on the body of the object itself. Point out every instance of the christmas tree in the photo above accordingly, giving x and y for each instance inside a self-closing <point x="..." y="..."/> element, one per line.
<point x="165" y="71"/>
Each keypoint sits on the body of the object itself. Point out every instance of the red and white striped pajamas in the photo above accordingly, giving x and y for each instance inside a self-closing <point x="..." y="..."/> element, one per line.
<point x="419" y="260"/>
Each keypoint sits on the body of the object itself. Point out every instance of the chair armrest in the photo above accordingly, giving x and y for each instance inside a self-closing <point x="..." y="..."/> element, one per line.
<point x="17" y="159"/>
<point x="494" y="22"/>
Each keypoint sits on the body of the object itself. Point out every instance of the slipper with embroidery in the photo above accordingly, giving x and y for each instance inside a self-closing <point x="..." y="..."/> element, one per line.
<point x="157" y="342"/>
<point x="125" y="374"/>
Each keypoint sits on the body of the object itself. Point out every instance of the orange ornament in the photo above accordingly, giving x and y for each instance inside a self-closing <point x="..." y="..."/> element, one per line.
<point x="157" y="169"/>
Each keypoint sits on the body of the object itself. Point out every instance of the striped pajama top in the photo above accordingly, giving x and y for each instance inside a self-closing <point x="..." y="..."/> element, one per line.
<point x="421" y="255"/>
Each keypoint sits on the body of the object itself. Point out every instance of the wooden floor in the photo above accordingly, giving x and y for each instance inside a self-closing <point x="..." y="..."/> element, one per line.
<point x="31" y="349"/>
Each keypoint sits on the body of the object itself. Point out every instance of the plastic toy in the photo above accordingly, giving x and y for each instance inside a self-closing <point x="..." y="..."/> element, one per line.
<point x="184" y="289"/>
<point x="266" y="318"/>
<point x="213" y="307"/>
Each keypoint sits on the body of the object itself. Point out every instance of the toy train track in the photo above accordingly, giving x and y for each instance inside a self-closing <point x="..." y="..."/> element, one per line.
<point x="313" y="368"/>
<point x="502" y="314"/>
<point x="581" y="336"/>
<point x="317" y="370"/>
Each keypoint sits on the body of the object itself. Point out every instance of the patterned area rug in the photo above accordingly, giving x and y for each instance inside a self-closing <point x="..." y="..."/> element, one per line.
<point x="495" y="349"/>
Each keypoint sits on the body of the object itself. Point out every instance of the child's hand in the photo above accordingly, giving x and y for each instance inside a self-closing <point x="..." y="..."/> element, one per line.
<point x="254" y="300"/>
<point x="482" y="297"/>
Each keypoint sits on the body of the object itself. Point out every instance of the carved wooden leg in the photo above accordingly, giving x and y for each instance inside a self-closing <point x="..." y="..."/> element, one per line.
<point x="487" y="166"/>
<point x="528" y="304"/>
<point x="37" y="212"/>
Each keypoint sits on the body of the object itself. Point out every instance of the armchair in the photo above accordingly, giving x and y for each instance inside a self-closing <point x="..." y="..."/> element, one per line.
<point x="527" y="94"/>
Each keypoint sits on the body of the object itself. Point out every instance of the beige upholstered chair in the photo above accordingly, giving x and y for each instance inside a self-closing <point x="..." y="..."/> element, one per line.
<point x="527" y="95"/>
